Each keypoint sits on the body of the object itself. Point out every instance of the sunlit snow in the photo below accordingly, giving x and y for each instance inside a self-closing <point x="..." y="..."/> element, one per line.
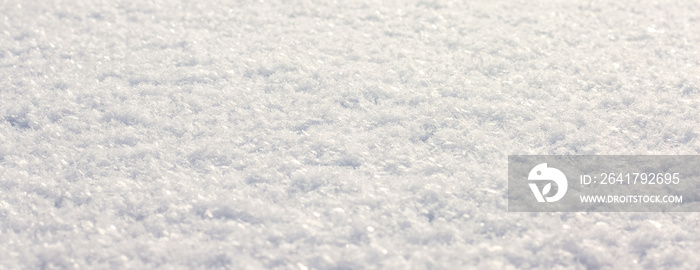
<point x="333" y="134"/>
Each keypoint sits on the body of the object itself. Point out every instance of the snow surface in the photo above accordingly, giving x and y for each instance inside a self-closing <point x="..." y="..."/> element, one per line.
<point x="333" y="134"/>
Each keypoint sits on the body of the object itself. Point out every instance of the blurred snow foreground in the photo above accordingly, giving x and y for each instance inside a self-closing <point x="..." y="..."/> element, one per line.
<point x="333" y="134"/>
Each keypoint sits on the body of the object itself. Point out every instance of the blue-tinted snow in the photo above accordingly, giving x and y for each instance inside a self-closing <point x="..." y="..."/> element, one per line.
<point x="275" y="134"/>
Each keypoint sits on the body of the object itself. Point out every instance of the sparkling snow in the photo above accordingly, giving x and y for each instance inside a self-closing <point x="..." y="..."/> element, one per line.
<point x="333" y="134"/>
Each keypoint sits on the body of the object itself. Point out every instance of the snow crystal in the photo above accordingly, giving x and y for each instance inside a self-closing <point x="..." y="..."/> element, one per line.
<point x="326" y="135"/>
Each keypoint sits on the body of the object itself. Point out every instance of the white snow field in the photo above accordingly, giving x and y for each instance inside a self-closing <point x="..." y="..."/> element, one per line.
<point x="333" y="134"/>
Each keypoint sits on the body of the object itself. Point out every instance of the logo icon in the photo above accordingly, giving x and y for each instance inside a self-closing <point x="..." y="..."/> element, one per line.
<point x="542" y="173"/>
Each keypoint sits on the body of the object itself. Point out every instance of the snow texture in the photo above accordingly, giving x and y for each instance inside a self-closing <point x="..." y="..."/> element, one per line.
<point x="333" y="134"/>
